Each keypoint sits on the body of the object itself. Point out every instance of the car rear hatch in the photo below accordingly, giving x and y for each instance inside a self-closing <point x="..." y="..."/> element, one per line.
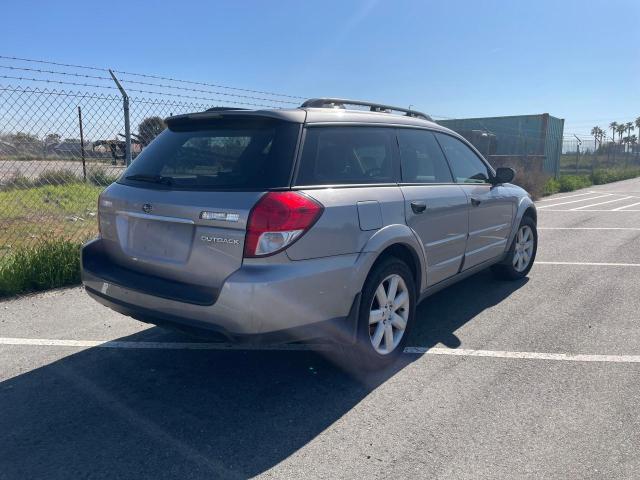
<point x="179" y="212"/>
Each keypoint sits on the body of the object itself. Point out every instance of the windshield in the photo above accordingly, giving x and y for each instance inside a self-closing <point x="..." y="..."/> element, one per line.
<point x="219" y="154"/>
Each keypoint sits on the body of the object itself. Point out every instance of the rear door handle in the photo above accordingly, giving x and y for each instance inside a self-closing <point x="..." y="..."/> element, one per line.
<point x="475" y="202"/>
<point x="418" y="207"/>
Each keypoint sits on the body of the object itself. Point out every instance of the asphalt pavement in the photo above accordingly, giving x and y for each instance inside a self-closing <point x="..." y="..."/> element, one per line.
<point x="538" y="378"/>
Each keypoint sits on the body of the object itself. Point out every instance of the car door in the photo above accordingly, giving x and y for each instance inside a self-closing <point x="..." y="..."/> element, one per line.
<point x="435" y="207"/>
<point x="491" y="207"/>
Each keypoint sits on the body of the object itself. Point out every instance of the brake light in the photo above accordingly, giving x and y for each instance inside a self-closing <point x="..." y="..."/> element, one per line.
<point x="278" y="220"/>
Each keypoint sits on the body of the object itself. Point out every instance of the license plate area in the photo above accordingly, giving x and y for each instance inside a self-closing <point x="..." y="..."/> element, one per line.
<point x="158" y="240"/>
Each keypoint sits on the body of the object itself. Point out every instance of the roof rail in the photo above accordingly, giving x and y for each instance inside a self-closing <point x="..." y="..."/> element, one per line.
<point x="222" y="109"/>
<point x="373" y="107"/>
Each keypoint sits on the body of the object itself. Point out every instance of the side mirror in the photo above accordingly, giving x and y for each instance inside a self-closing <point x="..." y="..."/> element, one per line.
<point x="503" y="175"/>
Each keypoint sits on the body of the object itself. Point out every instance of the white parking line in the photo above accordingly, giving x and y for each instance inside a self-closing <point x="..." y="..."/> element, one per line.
<point x="591" y="210"/>
<point x="616" y="193"/>
<point x="464" y="352"/>
<point x="576" y="201"/>
<point x="602" y="203"/>
<point x="563" y="357"/>
<point x="50" y="342"/>
<point x="590" y="264"/>
<point x="567" y="196"/>
<point x="626" y="206"/>
<point x="586" y="228"/>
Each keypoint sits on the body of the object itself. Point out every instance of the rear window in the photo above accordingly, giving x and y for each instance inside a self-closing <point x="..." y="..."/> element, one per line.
<point x="347" y="155"/>
<point x="219" y="154"/>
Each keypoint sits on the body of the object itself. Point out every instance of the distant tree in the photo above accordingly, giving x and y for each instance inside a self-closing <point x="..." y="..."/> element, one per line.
<point x="614" y="128"/>
<point x="52" y="139"/>
<point x="598" y="137"/>
<point x="629" y="126"/>
<point x="633" y="142"/>
<point x="621" y="128"/>
<point x="149" y="129"/>
<point x="25" y="142"/>
<point x="595" y="131"/>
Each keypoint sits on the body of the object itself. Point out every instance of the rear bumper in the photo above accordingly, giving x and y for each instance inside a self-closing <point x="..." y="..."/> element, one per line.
<point x="259" y="303"/>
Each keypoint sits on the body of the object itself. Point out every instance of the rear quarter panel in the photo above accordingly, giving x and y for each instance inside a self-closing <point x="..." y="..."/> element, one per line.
<point x="338" y="231"/>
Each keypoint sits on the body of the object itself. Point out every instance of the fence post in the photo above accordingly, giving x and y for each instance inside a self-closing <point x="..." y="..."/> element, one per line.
<point x="84" y="166"/>
<point x="127" y="127"/>
<point x="579" y="142"/>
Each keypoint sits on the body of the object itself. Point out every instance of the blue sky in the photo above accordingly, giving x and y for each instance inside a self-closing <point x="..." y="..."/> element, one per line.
<point x="578" y="60"/>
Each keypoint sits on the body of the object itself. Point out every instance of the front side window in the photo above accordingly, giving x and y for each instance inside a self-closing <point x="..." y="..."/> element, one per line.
<point x="421" y="158"/>
<point x="224" y="154"/>
<point x="347" y="155"/>
<point x="465" y="164"/>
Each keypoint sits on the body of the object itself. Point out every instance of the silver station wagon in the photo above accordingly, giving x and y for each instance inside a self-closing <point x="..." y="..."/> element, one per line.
<point x="332" y="221"/>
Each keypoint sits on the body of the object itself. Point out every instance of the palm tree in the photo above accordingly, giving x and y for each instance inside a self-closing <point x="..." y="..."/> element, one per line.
<point x="637" y="122"/>
<point x="621" y="128"/>
<point x="634" y="142"/>
<point x="595" y="131"/>
<point x="613" y="126"/>
<point x="629" y="126"/>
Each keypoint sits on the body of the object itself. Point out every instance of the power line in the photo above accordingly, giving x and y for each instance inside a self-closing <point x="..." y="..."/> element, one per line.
<point x="157" y="77"/>
<point x="79" y="75"/>
<point x="150" y="92"/>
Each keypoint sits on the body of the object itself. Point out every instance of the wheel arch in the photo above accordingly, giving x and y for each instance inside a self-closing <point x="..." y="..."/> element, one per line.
<point x="408" y="255"/>
<point x="531" y="212"/>
<point x="398" y="241"/>
<point x="525" y="207"/>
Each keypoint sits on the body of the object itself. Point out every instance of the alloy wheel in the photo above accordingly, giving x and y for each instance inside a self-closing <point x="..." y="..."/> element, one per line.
<point x="524" y="248"/>
<point x="388" y="314"/>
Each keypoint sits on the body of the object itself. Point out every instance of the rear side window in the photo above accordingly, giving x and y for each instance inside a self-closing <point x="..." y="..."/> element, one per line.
<point x="421" y="158"/>
<point x="226" y="154"/>
<point x="465" y="164"/>
<point x="347" y="155"/>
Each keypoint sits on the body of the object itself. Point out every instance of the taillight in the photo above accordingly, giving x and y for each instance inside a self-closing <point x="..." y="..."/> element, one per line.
<point x="278" y="220"/>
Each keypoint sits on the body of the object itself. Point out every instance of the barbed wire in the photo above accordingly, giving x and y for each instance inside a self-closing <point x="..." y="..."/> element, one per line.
<point x="149" y="92"/>
<point x="157" y="77"/>
<point x="62" y="93"/>
<point x="72" y="74"/>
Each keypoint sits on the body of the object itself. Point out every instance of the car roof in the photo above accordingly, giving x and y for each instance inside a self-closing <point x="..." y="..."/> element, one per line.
<point x="329" y="115"/>
<point x="312" y="115"/>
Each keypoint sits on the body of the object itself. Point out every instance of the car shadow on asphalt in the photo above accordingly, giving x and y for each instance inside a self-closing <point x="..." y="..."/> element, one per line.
<point x="440" y="316"/>
<point x="151" y="413"/>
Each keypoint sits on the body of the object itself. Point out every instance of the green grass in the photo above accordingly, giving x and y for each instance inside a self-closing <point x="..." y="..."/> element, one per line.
<point x="74" y="198"/>
<point x="608" y="175"/>
<point x="51" y="264"/>
<point x="551" y="186"/>
<point x="568" y="183"/>
<point x="31" y="216"/>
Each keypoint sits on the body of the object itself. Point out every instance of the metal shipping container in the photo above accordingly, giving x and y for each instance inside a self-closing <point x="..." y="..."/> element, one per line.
<point x="519" y="135"/>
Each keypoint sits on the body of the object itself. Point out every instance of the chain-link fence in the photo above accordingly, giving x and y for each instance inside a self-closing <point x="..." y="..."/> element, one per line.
<point x="63" y="139"/>
<point x="582" y="156"/>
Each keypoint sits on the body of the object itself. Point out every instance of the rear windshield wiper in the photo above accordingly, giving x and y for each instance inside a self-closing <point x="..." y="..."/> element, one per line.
<point x="142" y="177"/>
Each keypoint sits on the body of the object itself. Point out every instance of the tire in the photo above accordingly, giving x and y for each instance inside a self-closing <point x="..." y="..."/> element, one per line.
<point x="519" y="259"/>
<point x="363" y="355"/>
